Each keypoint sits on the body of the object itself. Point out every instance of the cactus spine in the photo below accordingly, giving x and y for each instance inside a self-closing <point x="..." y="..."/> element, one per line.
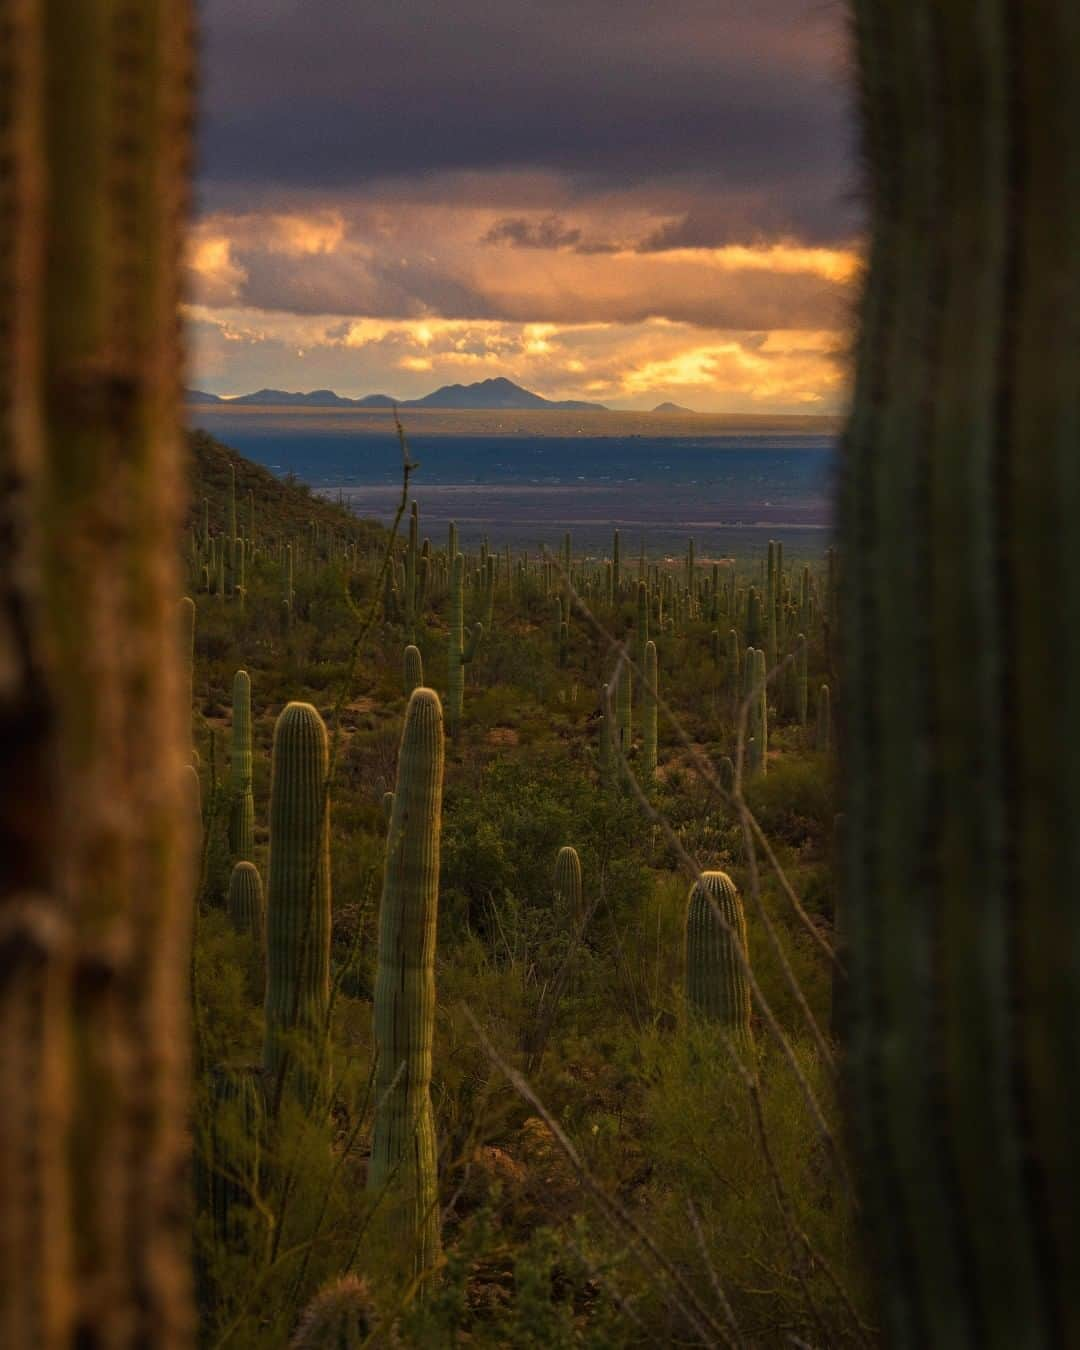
<point x="403" y="1142"/>
<point x="242" y="811"/>
<point x="245" y="901"/>
<point x="414" y="669"/>
<point x="649" y="700"/>
<point x="298" y="903"/>
<point x="961" y="656"/>
<point x="716" y="985"/>
<point x="568" y="884"/>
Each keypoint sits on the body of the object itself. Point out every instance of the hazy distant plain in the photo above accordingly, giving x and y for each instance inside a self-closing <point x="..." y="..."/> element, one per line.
<point x="524" y="477"/>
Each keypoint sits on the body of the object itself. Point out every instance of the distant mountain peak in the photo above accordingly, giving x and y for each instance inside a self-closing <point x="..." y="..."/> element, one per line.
<point x="672" y="408"/>
<point x="497" y="394"/>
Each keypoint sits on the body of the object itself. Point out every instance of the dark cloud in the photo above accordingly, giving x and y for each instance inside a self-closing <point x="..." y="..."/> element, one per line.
<point x="551" y="232"/>
<point x="741" y="97"/>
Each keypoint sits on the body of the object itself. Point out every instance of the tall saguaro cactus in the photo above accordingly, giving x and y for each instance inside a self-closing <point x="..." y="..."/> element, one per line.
<point x="716" y="985"/>
<point x="242" y="806"/>
<point x="961" y="656"/>
<point x="458" y="652"/>
<point x="403" y="1155"/>
<point x="649" y="703"/>
<point x="95" y="886"/>
<point x="298" y="902"/>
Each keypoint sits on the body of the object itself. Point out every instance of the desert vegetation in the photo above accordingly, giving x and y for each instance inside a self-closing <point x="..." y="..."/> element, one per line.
<point x="513" y="974"/>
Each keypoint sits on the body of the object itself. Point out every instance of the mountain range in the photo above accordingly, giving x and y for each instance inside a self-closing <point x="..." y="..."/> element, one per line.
<point x="496" y="394"/>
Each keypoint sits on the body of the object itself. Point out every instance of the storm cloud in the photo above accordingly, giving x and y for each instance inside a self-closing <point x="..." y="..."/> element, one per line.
<point x="677" y="173"/>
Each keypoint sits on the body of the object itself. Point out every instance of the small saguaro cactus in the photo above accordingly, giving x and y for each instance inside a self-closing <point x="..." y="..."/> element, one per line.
<point x="403" y="1157"/>
<point x="298" y="902"/>
<point x="716" y="985"/>
<point x="801" y="686"/>
<point x="339" y="1317"/>
<point x="823" y="735"/>
<point x="625" y="709"/>
<point x="242" y="807"/>
<point x="649" y="703"/>
<point x="414" y="669"/>
<point x="245" y="901"/>
<point x="459" y="654"/>
<point x="568" y="884"/>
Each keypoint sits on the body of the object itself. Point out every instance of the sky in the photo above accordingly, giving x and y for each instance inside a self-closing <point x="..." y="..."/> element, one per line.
<point x="626" y="201"/>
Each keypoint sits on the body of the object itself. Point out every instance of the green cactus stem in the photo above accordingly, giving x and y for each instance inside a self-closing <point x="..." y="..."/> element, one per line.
<point x="823" y="731"/>
<point x="459" y="654"/>
<point x="568" y="884"/>
<point x="413" y="669"/>
<point x="641" y="628"/>
<point x="717" y="989"/>
<point x="245" y="902"/>
<point x="298" y="903"/>
<point x="403" y="1156"/>
<point x="242" y="808"/>
<point x="649" y="703"/>
<point x="960" y="654"/>
<point x="801" y="683"/>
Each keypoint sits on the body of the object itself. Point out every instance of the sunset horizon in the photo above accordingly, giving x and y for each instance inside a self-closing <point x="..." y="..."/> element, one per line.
<point x="627" y="208"/>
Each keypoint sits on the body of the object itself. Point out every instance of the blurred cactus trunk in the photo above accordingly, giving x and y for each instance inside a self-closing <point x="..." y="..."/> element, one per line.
<point x="961" y="671"/>
<point x="95" y="887"/>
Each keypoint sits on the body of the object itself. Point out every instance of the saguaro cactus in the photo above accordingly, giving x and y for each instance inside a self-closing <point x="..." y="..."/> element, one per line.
<point x="568" y="884"/>
<point x="649" y="702"/>
<point x="414" y="669"/>
<point x="95" y="886"/>
<point x="403" y="1139"/>
<point x="242" y="807"/>
<point x="339" y="1317"/>
<point x="459" y="654"/>
<point x="716" y="985"/>
<point x="245" y="901"/>
<point x="298" y="903"/>
<point x="823" y="733"/>
<point x="961" y="656"/>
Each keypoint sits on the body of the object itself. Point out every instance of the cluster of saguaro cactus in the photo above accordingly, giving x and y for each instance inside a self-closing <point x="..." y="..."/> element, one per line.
<point x="459" y="653"/>
<point x="242" y="800"/>
<point x="298" y="904"/>
<point x="716" y="985"/>
<point x="403" y="1154"/>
